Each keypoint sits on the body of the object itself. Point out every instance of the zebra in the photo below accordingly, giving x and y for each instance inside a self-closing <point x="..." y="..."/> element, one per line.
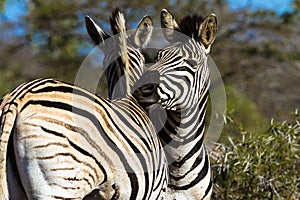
<point x="59" y="141"/>
<point x="180" y="77"/>
<point x="119" y="82"/>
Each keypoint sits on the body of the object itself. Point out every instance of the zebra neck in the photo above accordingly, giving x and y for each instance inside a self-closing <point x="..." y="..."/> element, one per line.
<point x="189" y="167"/>
<point x="183" y="135"/>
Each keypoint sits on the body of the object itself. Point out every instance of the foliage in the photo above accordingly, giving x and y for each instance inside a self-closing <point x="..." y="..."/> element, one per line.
<point x="294" y="15"/>
<point x="2" y="3"/>
<point x="238" y="104"/>
<point x="8" y="79"/>
<point x="260" y="166"/>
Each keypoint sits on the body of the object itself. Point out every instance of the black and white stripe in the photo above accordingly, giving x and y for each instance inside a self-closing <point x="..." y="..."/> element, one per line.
<point x="182" y="86"/>
<point x="58" y="141"/>
<point x="67" y="142"/>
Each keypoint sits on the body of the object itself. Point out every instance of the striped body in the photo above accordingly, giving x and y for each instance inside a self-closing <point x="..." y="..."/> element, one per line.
<point x="182" y="82"/>
<point x="61" y="142"/>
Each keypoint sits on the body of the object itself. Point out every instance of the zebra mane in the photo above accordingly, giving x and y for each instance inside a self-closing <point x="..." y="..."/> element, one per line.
<point x="117" y="22"/>
<point x="190" y="26"/>
<point x="118" y="27"/>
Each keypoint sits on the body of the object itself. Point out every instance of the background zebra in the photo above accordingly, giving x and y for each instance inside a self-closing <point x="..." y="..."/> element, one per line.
<point x="180" y="78"/>
<point x="59" y="141"/>
<point x="115" y="61"/>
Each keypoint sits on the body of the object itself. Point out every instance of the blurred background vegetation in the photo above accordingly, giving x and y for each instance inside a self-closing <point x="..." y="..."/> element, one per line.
<point x="257" y="52"/>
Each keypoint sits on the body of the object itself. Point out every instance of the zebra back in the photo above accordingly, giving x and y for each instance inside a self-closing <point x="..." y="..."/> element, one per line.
<point x="68" y="142"/>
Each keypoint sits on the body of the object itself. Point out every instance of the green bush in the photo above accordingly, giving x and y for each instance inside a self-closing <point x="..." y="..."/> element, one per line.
<point x="261" y="165"/>
<point x="244" y="112"/>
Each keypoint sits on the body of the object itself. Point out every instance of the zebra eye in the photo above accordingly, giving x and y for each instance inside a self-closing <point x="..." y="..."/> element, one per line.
<point x="192" y="63"/>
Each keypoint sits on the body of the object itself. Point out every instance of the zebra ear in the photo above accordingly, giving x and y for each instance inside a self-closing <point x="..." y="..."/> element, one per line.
<point x="143" y="32"/>
<point x="208" y="31"/>
<point x="94" y="31"/>
<point x="169" y="25"/>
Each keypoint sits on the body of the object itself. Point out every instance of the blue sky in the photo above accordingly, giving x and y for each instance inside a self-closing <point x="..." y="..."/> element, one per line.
<point x="279" y="6"/>
<point x="16" y="8"/>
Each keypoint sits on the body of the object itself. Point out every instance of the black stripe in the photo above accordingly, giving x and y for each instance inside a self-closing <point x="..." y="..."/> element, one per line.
<point x="199" y="177"/>
<point x="170" y="61"/>
<point x="27" y="85"/>
<point x="196" y="148"/>
<point x="162" y="91"/>
<point x="117" y="192"/>
<point x="64" y="198"/>
<point x="82" y="151"/>
<point x="208" y="189"/>
<point x="53" y="132"/>
<point x="199" y="107"/>
<point x="17" y="92"/>
<point x="181" y="77"/>
<point x="135" y="149"/>
<point x="94" y="120"/>
<point x="164" y="136"/>
<point x="195" y="164"/>
<point x="10" y="104"/>
<point x="161" y="168"/>
<point x="66" y="88"/>
<point x="10" y="156"/>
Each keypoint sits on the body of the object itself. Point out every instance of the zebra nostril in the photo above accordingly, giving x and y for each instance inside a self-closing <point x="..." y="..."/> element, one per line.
<point x="148" y="82"/>
<point x="146" y="95"/>
<point x="145" y="89"/>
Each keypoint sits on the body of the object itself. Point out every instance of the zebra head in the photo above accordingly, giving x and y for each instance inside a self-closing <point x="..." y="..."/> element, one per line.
<point x="123" y="59"/>
<point x="180" y="77"/>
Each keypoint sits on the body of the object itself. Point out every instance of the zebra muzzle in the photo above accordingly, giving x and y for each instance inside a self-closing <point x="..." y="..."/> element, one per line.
<point x="146" y="89"/>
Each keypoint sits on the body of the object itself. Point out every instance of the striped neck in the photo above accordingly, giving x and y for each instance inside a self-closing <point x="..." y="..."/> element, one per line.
<point x="182" y="137"/>
<point x="183" y="134"/>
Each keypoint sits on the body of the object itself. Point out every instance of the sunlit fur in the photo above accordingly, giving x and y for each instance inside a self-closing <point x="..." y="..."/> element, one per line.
<point x="58" y="141"/>
<point x="67" y="142"/>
